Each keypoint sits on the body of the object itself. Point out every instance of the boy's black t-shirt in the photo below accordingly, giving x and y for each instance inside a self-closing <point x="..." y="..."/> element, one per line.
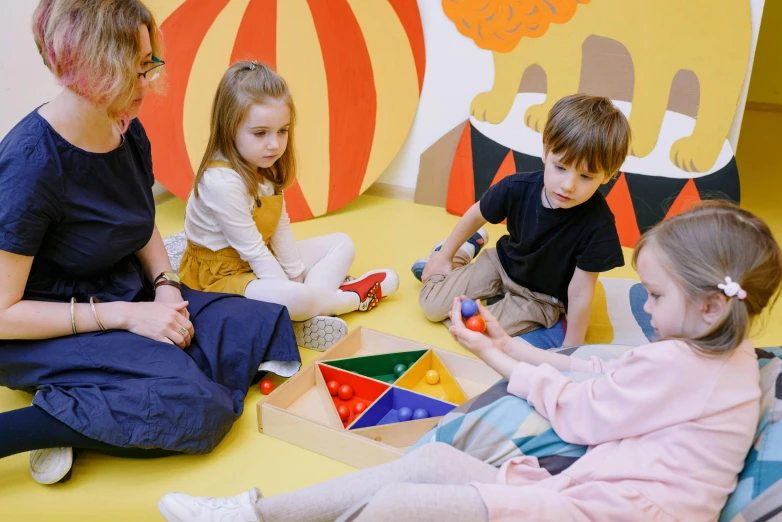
<point x="544" y="246"/>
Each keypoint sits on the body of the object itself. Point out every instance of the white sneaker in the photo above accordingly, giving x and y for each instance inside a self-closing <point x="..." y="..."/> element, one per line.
<point x="319" y="332"/>
<point x="178" y="507"/>
<point x="50" y="465"/>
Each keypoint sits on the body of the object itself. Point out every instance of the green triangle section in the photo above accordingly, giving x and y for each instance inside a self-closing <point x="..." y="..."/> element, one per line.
<point x="380" y="367"/>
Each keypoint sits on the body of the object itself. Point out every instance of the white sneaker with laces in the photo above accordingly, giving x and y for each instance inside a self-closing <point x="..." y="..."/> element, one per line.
<point x="50" y="465"/>
<point x="178" y="507"/>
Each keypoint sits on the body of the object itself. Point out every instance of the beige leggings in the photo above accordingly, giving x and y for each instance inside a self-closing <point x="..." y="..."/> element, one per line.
<point x="426" y="485"/>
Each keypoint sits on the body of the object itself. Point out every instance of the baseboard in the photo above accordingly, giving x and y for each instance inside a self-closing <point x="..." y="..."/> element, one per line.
<point x="386" y="190"/>
<point x="763" y="107"/>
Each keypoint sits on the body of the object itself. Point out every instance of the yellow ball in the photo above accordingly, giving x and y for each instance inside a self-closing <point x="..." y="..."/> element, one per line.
<point x="432" y="377"/>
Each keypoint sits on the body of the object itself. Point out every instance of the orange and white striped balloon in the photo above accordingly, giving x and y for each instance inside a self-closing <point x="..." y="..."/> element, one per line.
<point x="355" y="69"/>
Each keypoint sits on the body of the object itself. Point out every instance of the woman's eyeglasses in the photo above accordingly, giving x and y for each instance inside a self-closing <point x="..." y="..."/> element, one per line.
<point x="153" y="72"/>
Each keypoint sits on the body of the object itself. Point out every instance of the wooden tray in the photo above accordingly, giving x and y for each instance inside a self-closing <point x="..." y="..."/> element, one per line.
<point x="303" y="412"/>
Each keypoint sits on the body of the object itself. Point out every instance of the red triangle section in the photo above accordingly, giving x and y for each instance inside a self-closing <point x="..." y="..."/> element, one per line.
<point x="507" y="168"/>
<point x="461" y="185"/>
<point x="622" y="206"/>
<point x="686" y="199"/>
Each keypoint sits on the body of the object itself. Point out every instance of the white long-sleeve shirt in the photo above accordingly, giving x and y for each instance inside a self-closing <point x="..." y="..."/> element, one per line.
<point x="222" y="216"/>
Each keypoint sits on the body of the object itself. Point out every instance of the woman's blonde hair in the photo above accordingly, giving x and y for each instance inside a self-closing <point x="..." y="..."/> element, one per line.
<point x="243" y="85"/>
<point x="92" y="47"/>
<point x="714" y="240"/>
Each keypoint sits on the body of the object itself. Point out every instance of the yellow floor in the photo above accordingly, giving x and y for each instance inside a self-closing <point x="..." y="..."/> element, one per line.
<point x="388" y="233"/>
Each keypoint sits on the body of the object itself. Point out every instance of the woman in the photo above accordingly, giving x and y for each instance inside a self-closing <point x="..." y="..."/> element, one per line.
<point x="125" y="360"/>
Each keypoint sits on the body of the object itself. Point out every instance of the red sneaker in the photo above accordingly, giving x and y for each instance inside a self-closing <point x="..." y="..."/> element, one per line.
<point x="372" y="287"/>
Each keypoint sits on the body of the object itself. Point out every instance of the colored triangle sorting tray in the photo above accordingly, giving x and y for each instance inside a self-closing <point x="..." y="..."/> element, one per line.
<point x="396" y="391"/>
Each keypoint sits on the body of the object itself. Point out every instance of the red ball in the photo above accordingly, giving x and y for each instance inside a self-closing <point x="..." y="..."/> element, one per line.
<point x="333" y="387"/>
<point x="345" y="392"/>
<point x="476" y="324"/>
<point x="266" y="386"/>
<point x="359" y="407"/>
<point x="344" y="412"/>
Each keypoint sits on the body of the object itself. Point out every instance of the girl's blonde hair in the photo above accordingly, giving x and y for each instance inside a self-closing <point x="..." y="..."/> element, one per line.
<point x="243" y="85"/>
<point x="714" y="240"/>
<point x="92" y="47"/>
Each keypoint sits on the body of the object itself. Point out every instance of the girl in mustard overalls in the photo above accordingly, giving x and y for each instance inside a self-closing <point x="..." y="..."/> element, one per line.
<point x="239" y="235"/>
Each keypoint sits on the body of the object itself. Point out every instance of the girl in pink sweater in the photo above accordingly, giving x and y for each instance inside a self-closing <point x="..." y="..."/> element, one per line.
<point x="668" y="425"/>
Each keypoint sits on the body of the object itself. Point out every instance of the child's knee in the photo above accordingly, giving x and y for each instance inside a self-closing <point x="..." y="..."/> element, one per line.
<point x="434" y="306"/>
<point x="435" y="453"/>
<point x="345" y="243"/>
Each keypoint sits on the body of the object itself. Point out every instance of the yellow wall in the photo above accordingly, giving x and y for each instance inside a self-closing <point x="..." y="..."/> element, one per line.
<point x="765" y="86"/>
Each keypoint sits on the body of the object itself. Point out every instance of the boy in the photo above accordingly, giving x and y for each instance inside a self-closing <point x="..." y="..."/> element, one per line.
<point x="561" y="232"/>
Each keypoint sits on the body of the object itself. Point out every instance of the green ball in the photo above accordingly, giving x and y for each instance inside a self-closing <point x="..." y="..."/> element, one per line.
<point x="399" y="369"/>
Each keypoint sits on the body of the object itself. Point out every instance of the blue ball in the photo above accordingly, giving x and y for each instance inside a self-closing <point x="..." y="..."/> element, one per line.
<point x="420" y="413"/>
<point x="469" y="308"/>
<point x="405" y="414"/>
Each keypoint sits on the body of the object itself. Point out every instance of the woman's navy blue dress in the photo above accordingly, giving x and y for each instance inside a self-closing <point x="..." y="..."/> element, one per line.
<point x="83" y="216"/>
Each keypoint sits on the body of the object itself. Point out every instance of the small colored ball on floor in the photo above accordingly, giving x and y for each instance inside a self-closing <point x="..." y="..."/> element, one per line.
<point x="345" y="392"/>
<point x="469" y="308"/>
<point x="399" y="369"/>
<point x="476" y="324"/>
<point x="404" y="414"/>
<point x="333" y="387"/>
<point x="359" y="408"/>
<point x="432" y="377"/>
<point x="420" y="413"/>
<point x="344" y="412"/>
<point x="266" y="386"/>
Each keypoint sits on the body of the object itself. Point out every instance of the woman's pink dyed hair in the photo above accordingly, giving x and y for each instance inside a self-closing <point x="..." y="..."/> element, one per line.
<point x="92" y="47"/>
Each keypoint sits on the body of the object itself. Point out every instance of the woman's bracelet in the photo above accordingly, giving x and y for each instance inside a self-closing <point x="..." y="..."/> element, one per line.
<point x="73" y="317"/>
<point x="93" y="302"/>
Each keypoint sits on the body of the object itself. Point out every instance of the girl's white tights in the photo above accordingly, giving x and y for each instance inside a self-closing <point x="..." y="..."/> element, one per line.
<point x="327" y="260"/>
<point x="426" y="485"/>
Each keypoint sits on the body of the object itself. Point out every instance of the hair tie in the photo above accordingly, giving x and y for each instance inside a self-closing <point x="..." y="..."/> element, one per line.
<point x="732" y="288"/>
<point x="253" y="64"/>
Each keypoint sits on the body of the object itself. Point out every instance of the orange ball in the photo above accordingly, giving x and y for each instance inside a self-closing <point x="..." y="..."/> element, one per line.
<point x="359" y="407"/>
<point x="333" y="387"/>
<point x="345" y="392"/>
<point x="266" y="386"/>
<point x="344" y="412"/>
<point x="476" y="324"/>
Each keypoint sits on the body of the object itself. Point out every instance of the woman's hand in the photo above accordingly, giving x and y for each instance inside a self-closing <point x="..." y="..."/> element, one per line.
<point x="494" y="338"/>
<point x="298" y="279"/>
<point x="164" y="322"/>
<point x="172" y="295"/>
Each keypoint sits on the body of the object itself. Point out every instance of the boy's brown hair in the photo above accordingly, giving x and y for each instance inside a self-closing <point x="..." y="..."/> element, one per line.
<point x="589" y="132"/>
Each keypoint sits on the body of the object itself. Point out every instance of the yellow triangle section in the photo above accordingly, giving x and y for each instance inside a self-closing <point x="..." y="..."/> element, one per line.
<point x="445" y="389"/>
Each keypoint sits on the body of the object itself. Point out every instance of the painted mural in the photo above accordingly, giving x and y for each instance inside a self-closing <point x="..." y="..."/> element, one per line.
<point x="676" y="69"/>
<point x="355" y="69"/>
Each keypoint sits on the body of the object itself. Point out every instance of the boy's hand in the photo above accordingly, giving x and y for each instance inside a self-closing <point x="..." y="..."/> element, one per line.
<point x="437" y="264"/>
<point x="494" y="338"/>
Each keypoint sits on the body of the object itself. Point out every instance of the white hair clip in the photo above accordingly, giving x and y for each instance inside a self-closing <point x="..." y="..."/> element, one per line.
<point x="252" y="65"/>
<point x="732" y="288"/>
